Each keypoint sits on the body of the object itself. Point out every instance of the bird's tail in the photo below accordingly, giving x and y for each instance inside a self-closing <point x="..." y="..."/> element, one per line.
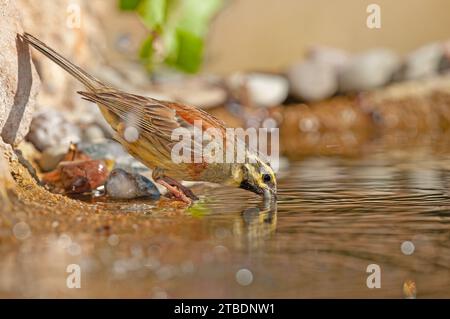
<point x="88" y="80"/>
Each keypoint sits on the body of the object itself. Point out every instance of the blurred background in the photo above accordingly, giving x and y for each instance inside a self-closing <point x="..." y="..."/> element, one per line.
<point x="271" y="35"/>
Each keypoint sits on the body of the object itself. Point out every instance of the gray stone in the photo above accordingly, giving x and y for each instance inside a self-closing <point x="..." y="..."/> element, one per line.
<point x="93" y="134"/>
<point x="123" y="185"/>
<point x="313" y="81"/>
<point x="264" y="89"/>
<point x="368" y="71"/>
<point x="336" y="58"/>
<point x="50" y="128"/>
<point x="423" y="62"/>
<point x="19" y="82"/>
<point x="112" y="150"/>
<point x="51" y="157"/>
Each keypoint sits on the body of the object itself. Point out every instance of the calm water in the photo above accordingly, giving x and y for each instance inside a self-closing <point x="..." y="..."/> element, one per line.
<point x="334" y="217"/>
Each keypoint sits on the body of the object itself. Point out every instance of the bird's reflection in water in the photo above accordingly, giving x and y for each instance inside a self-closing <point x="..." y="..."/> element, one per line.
<point x="255" y="225"/>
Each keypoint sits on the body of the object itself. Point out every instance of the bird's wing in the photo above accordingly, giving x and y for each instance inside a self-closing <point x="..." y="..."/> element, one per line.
<point x="156" y="120"/>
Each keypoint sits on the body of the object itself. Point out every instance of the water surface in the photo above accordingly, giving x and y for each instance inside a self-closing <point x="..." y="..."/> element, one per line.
<point x="334" y="217"/>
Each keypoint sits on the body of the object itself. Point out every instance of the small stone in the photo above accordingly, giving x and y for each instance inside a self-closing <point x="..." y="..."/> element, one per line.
<point x="264" y="90"/>
<point x="93" y="134"/>
<point x="124" y="185"/>
<point x="28" y="150"/>
<point x="202" y="91"/>
<point x="51" y="157"/>
<point x="444" y="64"/>
<point x="423" y="62"/>
<point x="112" y="150"/>
<point x="313" y="81"/>
<point x="50" y="128"/>
<point x="77" y="177"/>
<point x="368" y="71"/>
<point x="333" y="57"/>
<point x="108" y="149"/>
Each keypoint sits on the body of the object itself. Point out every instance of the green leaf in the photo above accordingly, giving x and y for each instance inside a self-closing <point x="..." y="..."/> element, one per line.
<point x="128" y="5"/>
<point x="146" y="52"/>
<point x="196" y="15"/>
<point x="153" y="13"/>
<point x="189" y="51"/>
<point x="180" y="25"/>
<point x="146" y="48"/>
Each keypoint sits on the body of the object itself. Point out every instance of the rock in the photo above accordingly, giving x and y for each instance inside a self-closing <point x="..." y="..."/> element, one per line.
<point x="201" y="91"/>
<point x="78" y="177"/>
<point x="90" y="115"/>
<point x="264" y="90"/>
<point x="368" y="71"/>
<point x="51" y="157"/>
<point x="108" y="149"/>
<point x="124" y="185"/>
<point x="93" y="134"/>
<point x="202" y="97"/>
<point x="56" y="23"/>
<point x="28" y="150"/>
<point x="6" y="179"/>
<point x="444" y="64"/>
<point x="28" y="155"/>
<point x="50" y="128"/>
<point x="113" y="150"/>
<point x="333" y="57"/>
<point x="423" y="62"/>
<point x="313" y="81"/>
<point x="17" y="94"/>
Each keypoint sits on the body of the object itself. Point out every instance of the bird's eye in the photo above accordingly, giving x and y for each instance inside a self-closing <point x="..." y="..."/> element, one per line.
<point x="266" y="178"/>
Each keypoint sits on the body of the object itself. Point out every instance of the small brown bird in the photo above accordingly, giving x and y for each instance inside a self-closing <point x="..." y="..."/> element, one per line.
<point x="153" y="122"/>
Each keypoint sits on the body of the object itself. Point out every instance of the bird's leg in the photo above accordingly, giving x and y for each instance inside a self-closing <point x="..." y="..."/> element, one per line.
<point x="173" y="186"/>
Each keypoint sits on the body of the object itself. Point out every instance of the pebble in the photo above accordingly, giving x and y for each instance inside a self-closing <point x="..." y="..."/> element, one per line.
<point x="50" y="128"/>
<point x="112" y="150"/>
<point x="368" y="71"/>
<point x="203" y="91"/>
<point x="336" y="58"/>
<point x="51" y="157"/>
<point x="200" y="91"/>
<point x="423" y="62"/>
<point x="264" y="90"/>
<point x="124" y="185"/>
<point x="313" y="81"/>
<point x="93" y="134"/>
<point x="444" y="64"/>
<point x="77" y="177"/>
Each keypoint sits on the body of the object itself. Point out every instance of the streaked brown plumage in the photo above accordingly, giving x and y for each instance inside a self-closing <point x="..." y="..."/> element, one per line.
<point x="156" y="121"/>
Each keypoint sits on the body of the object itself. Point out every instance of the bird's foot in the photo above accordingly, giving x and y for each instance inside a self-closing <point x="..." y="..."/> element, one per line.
<point x="175" y="188"/>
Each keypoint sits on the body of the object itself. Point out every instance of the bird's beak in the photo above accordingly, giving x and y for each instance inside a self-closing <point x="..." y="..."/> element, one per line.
<point x="251" y="187"/>
<point x="269" y="194"/>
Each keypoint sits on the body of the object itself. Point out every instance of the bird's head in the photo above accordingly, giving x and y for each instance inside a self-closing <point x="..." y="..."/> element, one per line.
<point x="257" y="177"/>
